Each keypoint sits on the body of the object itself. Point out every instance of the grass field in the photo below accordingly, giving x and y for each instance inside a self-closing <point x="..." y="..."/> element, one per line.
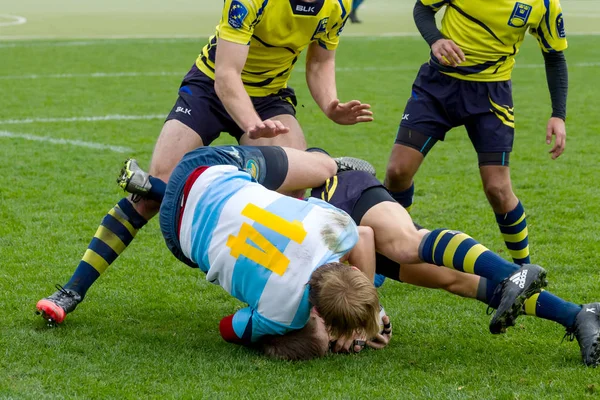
<point x="72" y="109"/>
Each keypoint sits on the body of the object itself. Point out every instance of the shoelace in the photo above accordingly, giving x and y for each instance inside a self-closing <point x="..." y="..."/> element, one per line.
<point x="569" y="335"/>
<point x="497" y="292"/>
<point x="64" y="291"/>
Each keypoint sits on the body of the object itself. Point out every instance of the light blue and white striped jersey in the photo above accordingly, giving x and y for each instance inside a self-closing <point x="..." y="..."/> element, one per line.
<point x="261" y="246"/>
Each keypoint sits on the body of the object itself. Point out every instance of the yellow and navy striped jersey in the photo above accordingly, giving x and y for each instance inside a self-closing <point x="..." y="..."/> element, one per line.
<point x="276" y="31"/>
<point x="491" y="32"/>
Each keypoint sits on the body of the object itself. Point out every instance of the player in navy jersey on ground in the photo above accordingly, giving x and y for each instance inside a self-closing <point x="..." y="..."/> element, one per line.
<point x="365" y="199"/>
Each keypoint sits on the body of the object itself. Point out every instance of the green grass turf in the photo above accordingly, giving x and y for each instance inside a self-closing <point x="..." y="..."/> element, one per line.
<point x="148" y="328"/>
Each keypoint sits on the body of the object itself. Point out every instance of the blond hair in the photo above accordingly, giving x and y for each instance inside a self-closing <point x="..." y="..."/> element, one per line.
<point x="346" y="300"/>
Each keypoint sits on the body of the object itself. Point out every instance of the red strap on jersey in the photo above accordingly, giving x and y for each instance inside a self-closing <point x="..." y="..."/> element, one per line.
<point x="227" y="332"/>
<point x="186" y="190"/>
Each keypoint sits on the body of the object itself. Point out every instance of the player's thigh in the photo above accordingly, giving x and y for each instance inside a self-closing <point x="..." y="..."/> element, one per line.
<point x="197" y="119"/>
<point x="294" y="138"/>
<point x="395" y="234"/>
<point x="489" y="120"/>
<point x="280" y="106"/>
<point x="307" y="169"/>
<point x="174" y="141"/>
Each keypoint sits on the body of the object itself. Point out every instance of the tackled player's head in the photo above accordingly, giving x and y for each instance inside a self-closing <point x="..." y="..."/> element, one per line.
<point x="307" y="343"/>
<point x="346" y="300"/>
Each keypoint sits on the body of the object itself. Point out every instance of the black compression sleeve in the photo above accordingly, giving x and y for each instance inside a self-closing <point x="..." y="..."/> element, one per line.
<point x="558" y="82"/>
<point x="425" y="20"/>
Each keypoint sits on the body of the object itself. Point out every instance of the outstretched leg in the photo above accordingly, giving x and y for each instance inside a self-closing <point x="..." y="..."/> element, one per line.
<point x="120" y="225"/>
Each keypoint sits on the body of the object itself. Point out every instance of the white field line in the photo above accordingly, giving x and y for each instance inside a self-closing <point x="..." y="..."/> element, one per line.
<point x="134" y="74"/>
<point x="93" y="75"/>
<point x="78" y="143"/>
<point x="14" y="20"/>
<point x="58" y="41"/>
<point x="115" y="117"/>
<point x="5" y="41"/>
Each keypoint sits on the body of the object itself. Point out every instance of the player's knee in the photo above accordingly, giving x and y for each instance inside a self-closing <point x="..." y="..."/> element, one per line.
<point x="175" y="140"/>
<point x="498" y="193"/>
<point x="398" y="175"/>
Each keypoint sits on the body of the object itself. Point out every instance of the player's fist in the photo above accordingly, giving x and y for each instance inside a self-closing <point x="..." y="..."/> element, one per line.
<point x="447" y="52"/>
<point x="266" y="129"/>
<point x="349" y="113"/>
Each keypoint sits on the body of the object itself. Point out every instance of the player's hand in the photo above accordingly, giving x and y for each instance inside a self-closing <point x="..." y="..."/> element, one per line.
<point x="349" y="113"/>
<point x="267" y="129"/>
<point x="352" y="344"/>
<point x="382" y="339"/>
<point x="556" y="127"/>
<point x="447" y="52"/>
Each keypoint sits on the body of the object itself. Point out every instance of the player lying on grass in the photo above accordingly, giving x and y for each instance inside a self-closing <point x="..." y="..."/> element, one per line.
<point x="278" y="254"/>
<point x="513" y="290"/>
<point x="238" y="85"/>
<point x="364" y="198"/>
<point x="399" y="240"/>
<point x="109" y="239"/>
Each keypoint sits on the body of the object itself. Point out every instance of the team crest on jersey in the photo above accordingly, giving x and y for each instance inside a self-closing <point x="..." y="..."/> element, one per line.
<point x="321" y="28"/>
<point x="560" y="26"/>
<point x="520" y="15"/>
<point x="252" y="168"/>
<point x="237" y="14"/>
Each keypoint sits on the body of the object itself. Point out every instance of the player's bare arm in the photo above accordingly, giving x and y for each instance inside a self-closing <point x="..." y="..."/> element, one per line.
<point x="320" y="77"/>
<point x="230" y="60"/>
<point x="362" y="256"/>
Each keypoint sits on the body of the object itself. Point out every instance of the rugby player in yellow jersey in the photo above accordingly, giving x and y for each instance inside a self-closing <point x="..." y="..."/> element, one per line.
<point x="237" y="85"/>
<point x="467" y="82"/>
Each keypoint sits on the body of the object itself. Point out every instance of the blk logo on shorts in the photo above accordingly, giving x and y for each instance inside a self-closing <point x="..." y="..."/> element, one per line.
<point x="183" y="110"/>
<point x="405" y="117"/>
<point x="520" y="15"/>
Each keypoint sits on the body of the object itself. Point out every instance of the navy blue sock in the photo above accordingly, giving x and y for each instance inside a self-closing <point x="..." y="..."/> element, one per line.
<point x="405" y="197"/>
<point x="116" y="231"/>
<point x="513" y="226"/>
<point x="157" y="192"/>
<point x="458" y="250"/>
<point x="548" y="306"/>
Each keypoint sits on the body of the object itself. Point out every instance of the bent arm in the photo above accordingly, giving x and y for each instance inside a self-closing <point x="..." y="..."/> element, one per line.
<point x="229" y="63"/>
<point x="362" y="256"/>
<point x="320" y="75"/>
<point x="425" y="21"/>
